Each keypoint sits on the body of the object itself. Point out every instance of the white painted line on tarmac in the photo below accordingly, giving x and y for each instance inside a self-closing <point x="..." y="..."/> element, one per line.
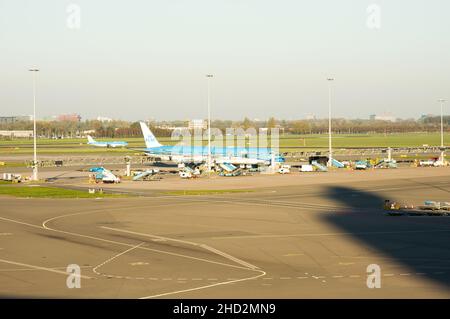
<point x="213" y="250"/>
<point x="332" y="234"/>
<point x="32" y="269"/>
<point x="114" y="257"/>
<point x="44" y="226"/>
<point x="228" y="256"/>
<point x="293" y="255"/>
<point x="118" y="243"/>
<point x="262" y="273"/>
<point x="43" y="268"/>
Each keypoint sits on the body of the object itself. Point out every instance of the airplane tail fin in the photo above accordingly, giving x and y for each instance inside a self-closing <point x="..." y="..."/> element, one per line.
<point x="90" y="139"/>
<point x="149" y="138"/>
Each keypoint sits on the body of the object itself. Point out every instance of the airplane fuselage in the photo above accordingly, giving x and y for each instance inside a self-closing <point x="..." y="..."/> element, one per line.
<point x="244" y="155"/>
<point x="109" y="144"/>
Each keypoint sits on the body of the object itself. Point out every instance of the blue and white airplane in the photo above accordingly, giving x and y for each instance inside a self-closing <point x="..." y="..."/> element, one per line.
<point x="93" y="142"/>
<point x="199" y="154"/>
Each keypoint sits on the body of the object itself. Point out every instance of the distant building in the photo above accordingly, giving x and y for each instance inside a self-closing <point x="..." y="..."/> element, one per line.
<point x="310" y="116"/>
<point x="383" y="117"/>
<point x="104" y="119"/>
<point x="197" y="124"/>
<point x="171" y="127"/>
<point x="16" y="133"/>
<point x="88" y="132"/>
<point x="423" y="117"/>
<point x="13" y="119"/>
<point x="69" y="117"/>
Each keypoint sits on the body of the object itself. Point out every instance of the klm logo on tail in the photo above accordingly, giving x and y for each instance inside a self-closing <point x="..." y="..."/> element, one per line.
<point x="149" y="138"/>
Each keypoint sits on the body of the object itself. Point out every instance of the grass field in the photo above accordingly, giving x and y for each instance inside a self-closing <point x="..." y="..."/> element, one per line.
<point x="287" y="143"/>
<point x="365" y="140"/>
<point x="12" y="164"/>
<point x="48" y="192"/>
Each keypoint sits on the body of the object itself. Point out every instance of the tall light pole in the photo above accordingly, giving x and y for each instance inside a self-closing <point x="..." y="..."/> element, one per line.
<point x="35" y="166"/>
<point x="209" y="77"/>
<point x="330" y="151"/>
<point x="441" y="102"/>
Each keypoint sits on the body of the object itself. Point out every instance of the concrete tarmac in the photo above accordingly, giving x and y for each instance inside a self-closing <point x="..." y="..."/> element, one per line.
<point x="311" y="239"/>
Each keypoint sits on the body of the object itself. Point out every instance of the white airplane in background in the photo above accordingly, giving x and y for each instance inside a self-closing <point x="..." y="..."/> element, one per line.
<point x="93" y="142"/>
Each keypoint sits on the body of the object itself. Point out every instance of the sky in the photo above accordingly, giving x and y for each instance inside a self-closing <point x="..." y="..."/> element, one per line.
<point x="146" y="59"/>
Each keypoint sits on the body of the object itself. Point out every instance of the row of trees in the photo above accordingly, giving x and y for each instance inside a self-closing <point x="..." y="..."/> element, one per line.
<point x="132" y="129"/>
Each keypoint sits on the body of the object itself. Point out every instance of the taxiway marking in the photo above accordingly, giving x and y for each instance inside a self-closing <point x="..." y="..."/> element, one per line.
<point x="42" y="268"/>
<point x="211" y="249"/>
<point x="330" y="234"/>
<point x="45" y="227"/>
<point x="114" y="257"/>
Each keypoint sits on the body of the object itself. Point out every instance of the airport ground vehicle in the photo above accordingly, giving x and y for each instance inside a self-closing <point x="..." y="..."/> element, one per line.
<point x="361" y="165"/>
<point x="337" y="163"/>
<point x="145" y="175"/>
<point x="306" y="168"/>
<point x="185" y="174"/>
<point x="425" y="163"/>
<point x="432" y="205"/>
<point x="14" y="178"/>
<point x="188" y="170"/>
<point x="228" y="169"/>
<point x="386" y="163"/>
<point x="104" y="175"/>
<point x="319" y="167"/>
<point x="284" y="169"/>
<point x="430" y="208"/>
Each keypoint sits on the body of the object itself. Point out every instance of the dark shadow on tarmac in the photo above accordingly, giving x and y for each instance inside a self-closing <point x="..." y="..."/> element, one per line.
<point x="420" y="243"/>
<point x="161" y="164"/>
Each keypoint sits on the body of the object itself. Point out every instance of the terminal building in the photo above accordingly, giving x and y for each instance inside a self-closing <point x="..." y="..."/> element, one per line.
<point x="12" y="134"/>
<point x="197" y="124"/>
<point x="13" y="119"/>
<point x="69" y="117"/>
<point x="383" y="117"/>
